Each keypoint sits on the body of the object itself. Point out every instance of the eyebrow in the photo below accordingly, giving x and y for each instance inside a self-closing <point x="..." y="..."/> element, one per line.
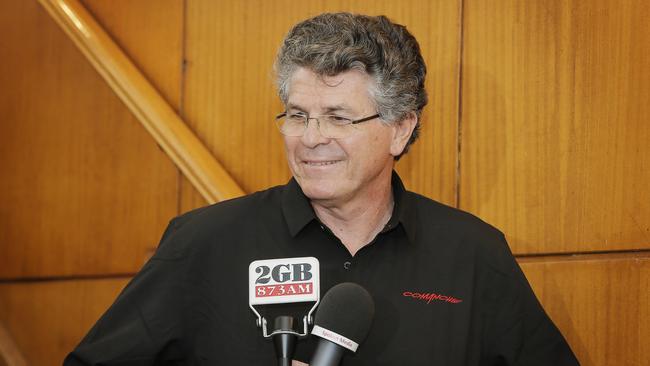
<point x="294" y="106"/>
<point x="330" y="109"/>
<point x="337" y="108"/>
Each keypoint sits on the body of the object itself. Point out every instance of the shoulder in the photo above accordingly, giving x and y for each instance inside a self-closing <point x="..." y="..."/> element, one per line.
<point x="461" y="232"/>
<point x="225" y="213"/>
<point x="201" y="226"/>
<point x="435" y="214"/>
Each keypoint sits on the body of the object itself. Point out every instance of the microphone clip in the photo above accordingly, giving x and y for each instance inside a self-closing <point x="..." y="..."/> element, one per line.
<point x="307" y="320"/>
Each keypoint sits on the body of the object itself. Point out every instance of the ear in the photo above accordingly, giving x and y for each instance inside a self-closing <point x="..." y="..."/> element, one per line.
<point x="402" y="133"/>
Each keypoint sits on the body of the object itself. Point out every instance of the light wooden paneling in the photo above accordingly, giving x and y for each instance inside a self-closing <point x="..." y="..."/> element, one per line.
<point x="85" y="189"/>
<point x="230" y="99"/>
<point x="10" y="355"/>
<point x="555" y="133"/>
<point x="48" y="319"/>
<point x="151" y="33"/>
<point x="600" y="303"/>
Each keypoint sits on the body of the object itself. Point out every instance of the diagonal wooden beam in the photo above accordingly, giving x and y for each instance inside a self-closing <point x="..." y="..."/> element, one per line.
<point x="174" y="136"/>
<point x="9" y="353"/>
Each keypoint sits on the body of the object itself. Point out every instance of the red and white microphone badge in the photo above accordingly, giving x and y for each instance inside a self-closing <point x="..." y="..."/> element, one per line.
<point x="281" y="281"/>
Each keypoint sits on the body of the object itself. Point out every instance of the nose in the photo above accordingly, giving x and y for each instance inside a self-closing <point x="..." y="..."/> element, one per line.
<point x="312" y="136"/>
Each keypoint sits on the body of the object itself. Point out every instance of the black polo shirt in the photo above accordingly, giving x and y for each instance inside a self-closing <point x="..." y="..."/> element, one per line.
<point x="446" y="287"/>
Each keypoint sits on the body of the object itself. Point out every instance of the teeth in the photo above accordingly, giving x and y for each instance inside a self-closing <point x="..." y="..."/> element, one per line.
<point x="319" y="163"/>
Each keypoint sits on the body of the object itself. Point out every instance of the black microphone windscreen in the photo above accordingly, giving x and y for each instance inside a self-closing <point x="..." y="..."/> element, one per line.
<point x="346" y="309"/>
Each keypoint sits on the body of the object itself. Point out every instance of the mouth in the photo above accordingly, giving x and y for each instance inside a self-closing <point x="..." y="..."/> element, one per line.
<point x="320" y="162"/>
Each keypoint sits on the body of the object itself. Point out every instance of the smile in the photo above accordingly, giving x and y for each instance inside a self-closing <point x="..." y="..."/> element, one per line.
<point x="321" y="163"/>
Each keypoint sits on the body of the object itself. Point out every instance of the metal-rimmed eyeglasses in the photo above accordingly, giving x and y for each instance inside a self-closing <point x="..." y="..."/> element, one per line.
<point x="329" y="125"/>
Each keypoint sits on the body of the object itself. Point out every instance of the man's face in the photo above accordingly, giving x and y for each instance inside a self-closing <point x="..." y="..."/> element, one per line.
<point x="333" y="171"/>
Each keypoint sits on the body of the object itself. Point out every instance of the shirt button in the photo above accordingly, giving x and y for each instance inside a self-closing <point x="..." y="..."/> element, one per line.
<point x="347" y="265"/>
<point x="322" y="227"/>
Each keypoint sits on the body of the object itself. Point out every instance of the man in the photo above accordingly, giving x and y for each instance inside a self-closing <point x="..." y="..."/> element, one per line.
<point x="446" y="288"/>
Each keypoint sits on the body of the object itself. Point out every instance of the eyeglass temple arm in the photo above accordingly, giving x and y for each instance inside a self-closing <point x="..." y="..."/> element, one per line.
<point x="364" y="119"/>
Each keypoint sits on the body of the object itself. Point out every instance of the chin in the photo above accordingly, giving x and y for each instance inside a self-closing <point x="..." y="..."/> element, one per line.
<point x="317" y="190"/>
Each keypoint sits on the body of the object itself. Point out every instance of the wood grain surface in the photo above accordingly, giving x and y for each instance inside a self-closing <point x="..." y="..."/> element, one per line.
<point x="85" y="189"/>
<point x="230" y="98"/>
<point x="555" y="134"/>
<point x="157" y="116"/>
<point x="10" y="355"/>
<point x="600" y="303"/>
<point x="151" y="33"/>
<point x="48" y="319"/>
<point x="554" y="147"/>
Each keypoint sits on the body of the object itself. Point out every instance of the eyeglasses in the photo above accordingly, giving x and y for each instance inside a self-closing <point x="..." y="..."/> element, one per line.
<point x="329" y="125"/>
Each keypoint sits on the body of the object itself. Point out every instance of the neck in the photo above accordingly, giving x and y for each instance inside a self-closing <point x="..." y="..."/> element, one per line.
<point x="356" y="222"/>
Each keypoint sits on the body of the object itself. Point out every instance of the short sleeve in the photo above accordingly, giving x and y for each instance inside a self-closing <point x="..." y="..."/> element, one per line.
<point x="144" y="325"/>
<point x="519" y="330"/>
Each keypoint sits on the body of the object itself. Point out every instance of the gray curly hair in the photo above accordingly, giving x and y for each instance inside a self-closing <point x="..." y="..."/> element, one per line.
<point x="331" y="43"/>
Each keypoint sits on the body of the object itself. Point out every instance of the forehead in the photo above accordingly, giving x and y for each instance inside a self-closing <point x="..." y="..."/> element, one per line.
<point x="347" y="90"/>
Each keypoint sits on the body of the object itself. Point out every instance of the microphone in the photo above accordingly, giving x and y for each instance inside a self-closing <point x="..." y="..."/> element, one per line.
<point x="284" y="340"/>
<point x="342" y="321"/>
<point x="283" y="282"/>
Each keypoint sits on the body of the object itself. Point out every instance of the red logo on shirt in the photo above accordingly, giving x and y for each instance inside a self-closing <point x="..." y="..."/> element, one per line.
<point x="430" y="296"/>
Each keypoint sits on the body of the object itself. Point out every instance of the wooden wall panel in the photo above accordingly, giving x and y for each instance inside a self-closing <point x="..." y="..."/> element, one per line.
<point x="155" y="45"/>
<point x="555" y="134"/>
<point x="85" y="189"/>
<point x="554" y="147"/>
<point x="230" y="99"/>
<point x="48" y="319"/>
<point x="600" y="303"/>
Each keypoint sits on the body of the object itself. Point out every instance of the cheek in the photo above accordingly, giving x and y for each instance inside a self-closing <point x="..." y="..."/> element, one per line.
<point x="368" y="154"/>
<point x="289" y="148"/>
<point x="381" y="145"/>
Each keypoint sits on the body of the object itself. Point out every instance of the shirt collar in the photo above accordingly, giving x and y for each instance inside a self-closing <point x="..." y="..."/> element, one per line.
<point x="296" y="207"/>
<point x="403" y="211"/>
<point x="298" y="211"/>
